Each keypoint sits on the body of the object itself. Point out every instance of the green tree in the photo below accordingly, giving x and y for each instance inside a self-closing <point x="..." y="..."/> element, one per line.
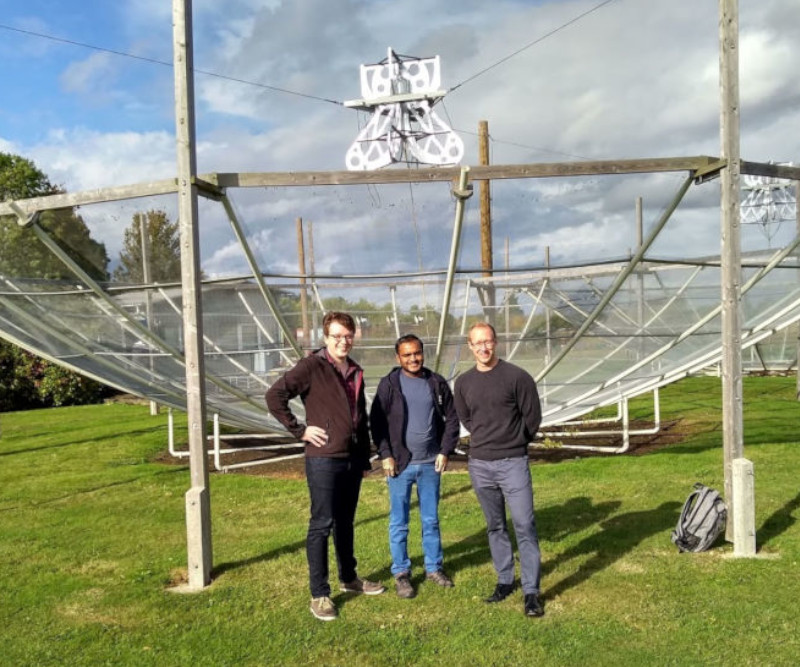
<point x="164" y="251"/>
<point x="26" y="380"/>
<point x="22" y="254"/>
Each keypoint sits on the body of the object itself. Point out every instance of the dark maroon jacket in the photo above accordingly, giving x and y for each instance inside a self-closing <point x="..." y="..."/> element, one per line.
<point x="321" y="388"/>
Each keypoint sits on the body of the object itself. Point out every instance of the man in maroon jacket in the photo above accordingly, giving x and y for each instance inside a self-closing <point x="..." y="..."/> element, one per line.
<point x="331" y="386"/>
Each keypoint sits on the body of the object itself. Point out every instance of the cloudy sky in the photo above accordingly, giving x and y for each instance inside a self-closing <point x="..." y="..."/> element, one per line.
<point x="88" y="96"/>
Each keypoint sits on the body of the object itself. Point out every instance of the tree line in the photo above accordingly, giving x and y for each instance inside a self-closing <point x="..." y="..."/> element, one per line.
<point x="26" y="380"/>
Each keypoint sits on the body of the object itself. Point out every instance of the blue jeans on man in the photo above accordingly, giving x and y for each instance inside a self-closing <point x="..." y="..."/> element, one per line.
<point x="428" y="482"/>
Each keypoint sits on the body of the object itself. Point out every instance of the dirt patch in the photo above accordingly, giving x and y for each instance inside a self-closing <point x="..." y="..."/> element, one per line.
<point x="553" y="449"/>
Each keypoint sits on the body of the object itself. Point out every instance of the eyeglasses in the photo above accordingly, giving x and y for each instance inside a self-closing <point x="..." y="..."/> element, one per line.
<point x="347" y="338"/>
<point x="488" y="344"/>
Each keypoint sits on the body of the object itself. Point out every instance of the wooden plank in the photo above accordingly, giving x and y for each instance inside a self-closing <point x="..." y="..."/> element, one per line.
<point x="731" y="250"/>
<point x="425" y="175"/>
<point x="96" y="196"/>
<point x="774" y="170"/>
<point x="477" y="173"/>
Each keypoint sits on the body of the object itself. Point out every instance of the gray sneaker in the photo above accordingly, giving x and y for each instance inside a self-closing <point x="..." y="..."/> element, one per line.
<point x="402" y="584"/>
<point x="323" y="609"/>
<point x="440" y="578"/>
<point x="362" y="586"/>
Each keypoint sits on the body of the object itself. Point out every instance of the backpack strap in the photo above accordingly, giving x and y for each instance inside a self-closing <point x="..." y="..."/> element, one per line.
<point x="679" y="532"/>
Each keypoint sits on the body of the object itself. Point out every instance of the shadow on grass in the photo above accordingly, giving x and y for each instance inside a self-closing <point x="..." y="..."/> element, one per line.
<point x="300" y="545"/>
<point x="619" y="535"/>
<point x="779" y="522"/>
<point x="84" y="441"/>
<point x="554" y="523"/>
<point x="95" y="489"/>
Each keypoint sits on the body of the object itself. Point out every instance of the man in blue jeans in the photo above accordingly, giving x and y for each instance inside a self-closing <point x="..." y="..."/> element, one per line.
<point x="415" y="428"/>
<point x="337" y="449"/>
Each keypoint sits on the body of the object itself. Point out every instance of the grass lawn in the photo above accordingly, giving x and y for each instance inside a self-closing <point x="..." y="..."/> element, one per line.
<point x="92" y="532"/>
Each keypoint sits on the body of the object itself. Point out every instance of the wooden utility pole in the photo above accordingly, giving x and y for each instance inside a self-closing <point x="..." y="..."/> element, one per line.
<point x="301" y="256"/>
<point x="312" y="267"/>
<point x="144" y="234"/>
<point x="548" y="349"/>
<point x="731" y="257"/>
<point x="486" y="218"/>
<point x="507" y="299"/>
<point x="198" y="500"/>
<point x="797" y="223"/>
<point x="640" y="276"/>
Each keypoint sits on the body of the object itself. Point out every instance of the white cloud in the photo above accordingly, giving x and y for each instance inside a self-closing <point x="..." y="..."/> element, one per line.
<point x="628" y="80"/>
<point x="89" y="75"/>
<point x="83" y="159"/>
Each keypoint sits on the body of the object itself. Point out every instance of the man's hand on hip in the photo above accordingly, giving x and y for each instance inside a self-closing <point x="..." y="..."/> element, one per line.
<point x="316" y="436"/>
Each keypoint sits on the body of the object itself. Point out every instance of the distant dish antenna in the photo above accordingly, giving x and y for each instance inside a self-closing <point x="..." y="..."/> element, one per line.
<point x="400" y="92"/>
<point x="769" y="202"/>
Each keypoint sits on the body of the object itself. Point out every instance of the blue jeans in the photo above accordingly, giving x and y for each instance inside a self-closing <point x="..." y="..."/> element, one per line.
<point x="501" y="483"/>
<point x="333" y="485"/>
<point x="428" y="482"/>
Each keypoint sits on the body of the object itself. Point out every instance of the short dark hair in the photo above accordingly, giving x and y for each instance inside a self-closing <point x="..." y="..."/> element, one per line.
<point x="345" y="319"/>
<point x="407" y="338"/>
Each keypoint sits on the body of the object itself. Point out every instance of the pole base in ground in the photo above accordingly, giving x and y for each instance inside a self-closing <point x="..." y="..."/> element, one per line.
<point x="198" y="537"/>
<point x="744" y="514"/>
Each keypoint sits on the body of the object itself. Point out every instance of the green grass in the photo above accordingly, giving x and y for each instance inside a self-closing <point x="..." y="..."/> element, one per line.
<point x="92" y="531"/>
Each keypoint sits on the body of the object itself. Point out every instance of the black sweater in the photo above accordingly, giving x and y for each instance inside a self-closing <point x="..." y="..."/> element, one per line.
<point x="501" y="410"/>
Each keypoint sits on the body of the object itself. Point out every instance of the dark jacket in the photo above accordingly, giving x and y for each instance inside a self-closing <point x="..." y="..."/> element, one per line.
<point x="321" y="388"/>
<point x="387" y="417"/>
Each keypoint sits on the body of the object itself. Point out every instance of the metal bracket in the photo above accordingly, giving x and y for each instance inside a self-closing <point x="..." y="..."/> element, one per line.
<point x="709" y="172"/>
<point x="207" y="189"/>
<point x="462" y="193"/>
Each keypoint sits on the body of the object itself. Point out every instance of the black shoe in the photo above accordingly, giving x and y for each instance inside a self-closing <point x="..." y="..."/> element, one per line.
<point x="501" y="592"/>
<point x="533" y="605"/>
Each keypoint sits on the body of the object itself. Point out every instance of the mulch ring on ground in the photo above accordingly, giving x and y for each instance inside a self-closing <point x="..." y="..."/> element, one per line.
<point x="551" y="450"/>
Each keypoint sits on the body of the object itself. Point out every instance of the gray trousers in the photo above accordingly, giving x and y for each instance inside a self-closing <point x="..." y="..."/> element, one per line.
<point x="501" y="483"/>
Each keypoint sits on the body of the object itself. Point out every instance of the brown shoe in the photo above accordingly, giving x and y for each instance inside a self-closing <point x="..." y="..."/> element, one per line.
<point x="323" y="609"/>
<point x="362" y="586"/>
<point x="402" y="584"/>
<point x="440" y="578"/>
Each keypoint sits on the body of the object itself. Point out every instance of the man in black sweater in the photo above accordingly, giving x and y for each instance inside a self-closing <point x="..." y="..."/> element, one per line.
<point x="498" y="403"/>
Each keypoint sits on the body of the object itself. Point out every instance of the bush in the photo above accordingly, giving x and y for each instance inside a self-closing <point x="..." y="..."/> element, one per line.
<point x="28" y="381"/>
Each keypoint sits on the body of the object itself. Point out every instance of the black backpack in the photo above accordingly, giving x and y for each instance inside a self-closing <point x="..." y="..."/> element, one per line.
<point x="703" y="518"/>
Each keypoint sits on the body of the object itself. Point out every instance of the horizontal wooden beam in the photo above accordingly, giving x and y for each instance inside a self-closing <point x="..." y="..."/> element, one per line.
<point x="71" y="199"/>
<point x="697" y="164"/>
<point x="476" y="173"/>
<point x="769" y="169"/>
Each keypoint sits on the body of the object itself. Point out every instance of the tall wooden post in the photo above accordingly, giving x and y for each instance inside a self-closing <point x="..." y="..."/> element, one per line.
<point x="198" y="501"/>
<point x="507" y="300"/>
<point x="640" y="277"/>
<point x="144" y="234"/>
<point x="731" y="251"/>
<point x="301" y="257"/>
<point x="486" y="218"/>
<point x="548" y="349"/>
<point x="311" y="265"/>
<point x="797" y="223"/>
